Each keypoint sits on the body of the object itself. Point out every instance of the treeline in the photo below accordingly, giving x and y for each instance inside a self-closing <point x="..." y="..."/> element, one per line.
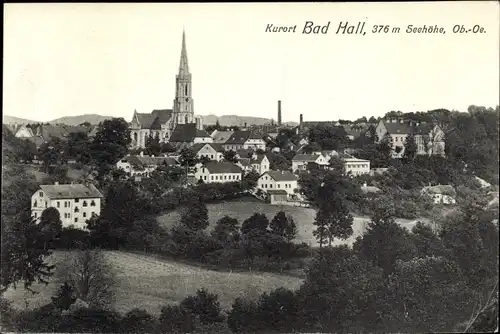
<point x="391" y="280"/>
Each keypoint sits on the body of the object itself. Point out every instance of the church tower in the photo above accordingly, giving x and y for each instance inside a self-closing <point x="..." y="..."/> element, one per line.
<point x="183" y="102"/>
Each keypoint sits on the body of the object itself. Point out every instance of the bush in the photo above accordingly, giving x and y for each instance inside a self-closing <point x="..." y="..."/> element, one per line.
<point x="205" y="306"/>
<point x="243" y="317"/>
<point x="90" y="320"/>
<point x="138" y="321"/>
<point x="176" y="319"/>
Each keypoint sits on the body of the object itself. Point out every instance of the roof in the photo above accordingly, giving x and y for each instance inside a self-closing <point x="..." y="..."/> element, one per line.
<point x="439" y="189"/>
<point x="61" y="191"/>
<point x="215" y="167"/>
<point x="197" y="147"/>
<point x="37" y="140"/>
<point x="306" y="157"/>
<point x="155" y="119"/>
<point x="238" y="137"/>
<point x="245" y="152"/>
<point x="244" y="162"/>
<point x="281" y="175"/>
<point x="277" y="192"/>
<point x="220" y="137"/>
<point x="259" y="159"/>
<point x="406" y="128"/>
<point x="187" y="133"/>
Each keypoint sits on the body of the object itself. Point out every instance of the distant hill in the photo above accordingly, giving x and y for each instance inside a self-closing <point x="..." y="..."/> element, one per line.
<point x="15" y="120"/>
<point x="77" y="120"/>
<point x="235" y="120"/>
<point x="225" y="120"/>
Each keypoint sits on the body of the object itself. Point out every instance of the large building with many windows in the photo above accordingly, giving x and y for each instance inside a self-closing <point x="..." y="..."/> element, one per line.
<point x="76" y="203"/>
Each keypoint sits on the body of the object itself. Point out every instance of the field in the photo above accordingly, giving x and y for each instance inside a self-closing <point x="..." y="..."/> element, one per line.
<point x="149" y="283"/>
<point x="304" y="217"/>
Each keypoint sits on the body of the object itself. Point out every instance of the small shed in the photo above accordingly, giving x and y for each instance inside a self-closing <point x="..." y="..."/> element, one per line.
<point x="277" y="196"/>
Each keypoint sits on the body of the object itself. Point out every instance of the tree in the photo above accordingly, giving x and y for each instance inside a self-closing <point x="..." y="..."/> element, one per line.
<point x="226" y="230"/>
<point x="243" y="317"/>
<point x="153" y="145"/>
<point x="91" y="276"/>
<point x="64" y="297"/>
<point x="384" y="147"/>
<point x="384" y="241"/>
<point x="283" y="226"/>
<point x="230" y="156"/>
<point x="23" y="255"/>
<point x="251" y="178"/>
<point x="110" y="144"/>
<point x="176" y="319"/>
<point x="328" y="137"/>
<point x="53" y="152"/>
<point x="333" y="220"/>
<point x="28" y="150"/>
<point x="204" y="305"/>
<point x="195" y="216"/>
<point x="138" y="321"/>
<point x="79" y="147"/>
<point x="410" y="150"/>
<point x="427" y="295"/>
<point x="341" y="293"/>
<point x="257" y="222"/>
<point x="337" y="164"/>
<point x="50" y="225"/>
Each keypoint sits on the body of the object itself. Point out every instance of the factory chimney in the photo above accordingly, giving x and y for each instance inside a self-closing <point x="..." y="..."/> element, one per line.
<point x="300" y="122"/>
<point x="279" y="113"/>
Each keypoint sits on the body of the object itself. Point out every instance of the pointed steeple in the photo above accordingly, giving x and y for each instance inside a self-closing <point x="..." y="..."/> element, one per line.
<point x="183" y="66"/>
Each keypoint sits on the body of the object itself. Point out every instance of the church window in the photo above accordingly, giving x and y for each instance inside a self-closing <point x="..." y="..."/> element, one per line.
<point x="186" y="90"/>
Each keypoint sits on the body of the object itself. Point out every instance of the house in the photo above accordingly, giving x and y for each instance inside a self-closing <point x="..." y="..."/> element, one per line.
<point x="218" y="172"/>
<point x="440" y="194"/>
<point x="210" y="150"/>
<point x="258" y="163"/>
<point x="24" y="131"/>
<point x="143" y="165"/>
<point x="428" y="137"/>
<point x="220" y="137"/>
<point x="356" y="166"/>
<point x="246" y="140"/>
<point x="301" y="161"/>
<point x="76" y="203"/>
<point x="278" y="180"/>
<point x="378" y="171"/>
<point x="186" y="135"/>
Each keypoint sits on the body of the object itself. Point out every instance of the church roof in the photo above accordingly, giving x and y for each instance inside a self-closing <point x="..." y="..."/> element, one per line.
<point x="155" y="119"/>
<point x="183" y="65"/>
<point x="187" y="133"/>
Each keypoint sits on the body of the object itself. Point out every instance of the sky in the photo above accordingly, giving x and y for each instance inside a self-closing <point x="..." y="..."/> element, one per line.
<point x="109" y="59"/>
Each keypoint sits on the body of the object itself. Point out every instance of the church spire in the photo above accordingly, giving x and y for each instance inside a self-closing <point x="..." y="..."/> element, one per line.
<point x="183" y="66"/>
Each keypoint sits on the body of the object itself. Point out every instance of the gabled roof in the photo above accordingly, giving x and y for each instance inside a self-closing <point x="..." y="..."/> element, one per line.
<point x="238" y="137"/>
<point x="306" y="157"/>
<point x="197" y="147"/>
<point x="220" y="137"/>
<point x="186" y="133"/>
<point x="215" y="167"/>
<point x="407" y="128"/>
<point x="62" y="191"/>
<point x="281" y="175"/>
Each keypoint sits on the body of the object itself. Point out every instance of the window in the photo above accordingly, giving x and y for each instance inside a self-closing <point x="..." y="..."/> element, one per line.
<point x="279" y="185"/>
<point x="92" y="203"/>
<point x="76" y="209"/>
<point x="40" y="193"/>
<point x="76" y="220"/>
<point x="35" y="214"/>
<point x="271" y="185"/>
<point x="84" y="214"/>
<point x="34" y="204"/>
<point x="211" y="156"/>
<point x="58" y="204"/>
<point x="225" y="177"/>
<point x="211" y="177"/>
<point x="205" y="177"/>
<point x="186" y="90"/>
<point x="77" y="200"/>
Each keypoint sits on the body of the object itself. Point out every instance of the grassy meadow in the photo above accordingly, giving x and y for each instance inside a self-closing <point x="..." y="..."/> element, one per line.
<point x="149" y="283"/>
<point x="304" y="217"/>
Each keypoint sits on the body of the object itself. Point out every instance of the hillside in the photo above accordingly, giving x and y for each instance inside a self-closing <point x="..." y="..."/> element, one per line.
<point x="15" y="120"/>
<point x="235" y="120"/>
<point x="149" y="283"/>
<point x="77" y="120"/>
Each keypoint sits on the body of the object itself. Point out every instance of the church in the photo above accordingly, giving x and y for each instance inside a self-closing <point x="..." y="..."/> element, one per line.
<point x="162" y="123"/>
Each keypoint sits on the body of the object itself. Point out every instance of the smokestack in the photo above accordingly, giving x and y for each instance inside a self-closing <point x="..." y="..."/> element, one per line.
<point x="279" y="113"/>
<point x="300" y="122"/>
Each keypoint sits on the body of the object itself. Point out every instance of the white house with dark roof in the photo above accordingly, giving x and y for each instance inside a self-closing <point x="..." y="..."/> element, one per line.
<point x="258" y="163"/>
<point x="244" y="140"/>
<point x="430" y="135"/>
<point x="76" y="203"/>
<point x="300" y="161"/>
<point x="143" y="165"/>
<point x="186" y="135"/>
<point x="218" y="172"/>
<point x="210" y="150"/>
<point x="278" y="180"/>
<point x="163" y="122"/>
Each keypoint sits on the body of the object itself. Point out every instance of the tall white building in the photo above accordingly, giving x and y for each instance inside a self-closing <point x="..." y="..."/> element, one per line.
<point x="76" y="203"/>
